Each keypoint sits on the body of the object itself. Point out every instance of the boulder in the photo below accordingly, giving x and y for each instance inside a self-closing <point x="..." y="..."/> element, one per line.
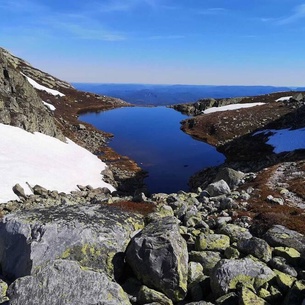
<point x="228" y="273"/>
<point x="148" y="296"/>
<point x="256" y="247"/>
<point x="93" y="235"/>
<point x="158" y="256"/>
<point x="280" y="263"/>
<point x="281" y="236"/>
<point x="208" y="259"/>
<point x="248" y="297"/>
<point x="213" y="242"/>
<point x="296" y="295"/>
<point x="218" y="188"/>
<point x="3" y="291"/>
<point x="235" y="232"/>
<point x="19" y="191"/>
<point x="232" y="177"/>
<point x="65" y="282"/>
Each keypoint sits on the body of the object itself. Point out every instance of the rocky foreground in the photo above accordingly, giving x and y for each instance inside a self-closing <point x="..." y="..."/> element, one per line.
<point x="93" y="247"/>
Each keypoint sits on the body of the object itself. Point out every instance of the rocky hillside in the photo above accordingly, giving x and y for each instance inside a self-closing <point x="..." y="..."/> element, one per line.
<point x="36" y="101"/>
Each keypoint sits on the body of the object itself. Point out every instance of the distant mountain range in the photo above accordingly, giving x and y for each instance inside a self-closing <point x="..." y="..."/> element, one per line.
<point x="142" y="94"/>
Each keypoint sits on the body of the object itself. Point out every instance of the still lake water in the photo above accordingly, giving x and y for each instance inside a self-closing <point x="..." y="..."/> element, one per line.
<point x="152" y="137"/>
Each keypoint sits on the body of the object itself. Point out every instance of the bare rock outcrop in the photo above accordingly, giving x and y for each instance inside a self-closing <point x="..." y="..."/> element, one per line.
<point x="20" y="104"/>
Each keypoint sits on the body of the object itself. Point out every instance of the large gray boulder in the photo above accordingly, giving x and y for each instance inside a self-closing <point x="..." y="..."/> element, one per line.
<point x="218" y="188"/>
<point x="281" y="236"/>
<point x="94" y="235"/>
<point x="228" y="273"/>
<point x="231" y="176"/>
<point x="65" y="282"/>
<point x="158" y="256"/>
<point x="256" y="247"/>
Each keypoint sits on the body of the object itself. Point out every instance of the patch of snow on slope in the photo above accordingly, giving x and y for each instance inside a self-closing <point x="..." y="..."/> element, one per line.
<point x="50" y="106"/>
<point x="41" y="87"/>
<point x="284" y="98"/>
<point x="231" y="107"/>
<point x="44" y="160"/>
<point x="287" y="140"/>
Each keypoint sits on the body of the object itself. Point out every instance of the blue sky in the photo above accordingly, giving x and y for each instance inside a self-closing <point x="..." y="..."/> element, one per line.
<point x="228" y="42"/>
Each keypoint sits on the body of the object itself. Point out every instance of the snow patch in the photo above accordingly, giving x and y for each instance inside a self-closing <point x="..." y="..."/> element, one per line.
<point x="284" y="98"/>
<point x="231" y="107"/>
<point x="40" y="159"/>
<point x="50" y="106"/>
<point x="43" y="88"/>
<point x="285" y="140"/>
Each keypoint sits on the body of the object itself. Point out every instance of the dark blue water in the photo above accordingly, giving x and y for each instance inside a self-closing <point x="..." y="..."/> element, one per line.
<point x="152" y="137"/>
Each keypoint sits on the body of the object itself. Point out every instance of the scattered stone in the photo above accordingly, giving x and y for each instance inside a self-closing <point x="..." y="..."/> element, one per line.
<point x="275" y="200"/>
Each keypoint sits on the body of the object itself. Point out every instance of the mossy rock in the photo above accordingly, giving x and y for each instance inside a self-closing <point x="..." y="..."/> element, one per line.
<point x="248" y="297"/>
<point x="212" y="242"/>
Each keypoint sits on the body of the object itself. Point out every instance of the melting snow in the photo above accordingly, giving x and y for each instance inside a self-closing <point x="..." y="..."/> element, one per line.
<point x="231" y="107"/>
<point x="39" y="159"/>
<point x="43" y="88"/>
<point x="50" y="106"/>
<point x="284" y="98"/>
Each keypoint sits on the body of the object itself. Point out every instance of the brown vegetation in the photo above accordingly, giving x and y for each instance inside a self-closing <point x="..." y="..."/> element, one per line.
<point x="143" y="208"/>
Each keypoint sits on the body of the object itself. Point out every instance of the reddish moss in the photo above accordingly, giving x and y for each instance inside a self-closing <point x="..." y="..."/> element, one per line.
<point x="142" y="208"/>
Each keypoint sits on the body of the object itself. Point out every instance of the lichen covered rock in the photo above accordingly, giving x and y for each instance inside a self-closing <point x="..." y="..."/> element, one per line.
<point x="158" y="256"/>
<point x="94" y="235"/>
<point x="65" y="282"/>
<point x="228" y="273"/>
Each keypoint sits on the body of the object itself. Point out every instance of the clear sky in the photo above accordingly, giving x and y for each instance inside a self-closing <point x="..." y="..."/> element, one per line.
<point x="241" y="42"/>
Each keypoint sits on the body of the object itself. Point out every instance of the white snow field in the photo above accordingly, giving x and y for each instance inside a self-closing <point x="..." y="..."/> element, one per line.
<point x="41" y="87"/>
<point x="231" y="107"/>
<point x="40" y="159"/>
